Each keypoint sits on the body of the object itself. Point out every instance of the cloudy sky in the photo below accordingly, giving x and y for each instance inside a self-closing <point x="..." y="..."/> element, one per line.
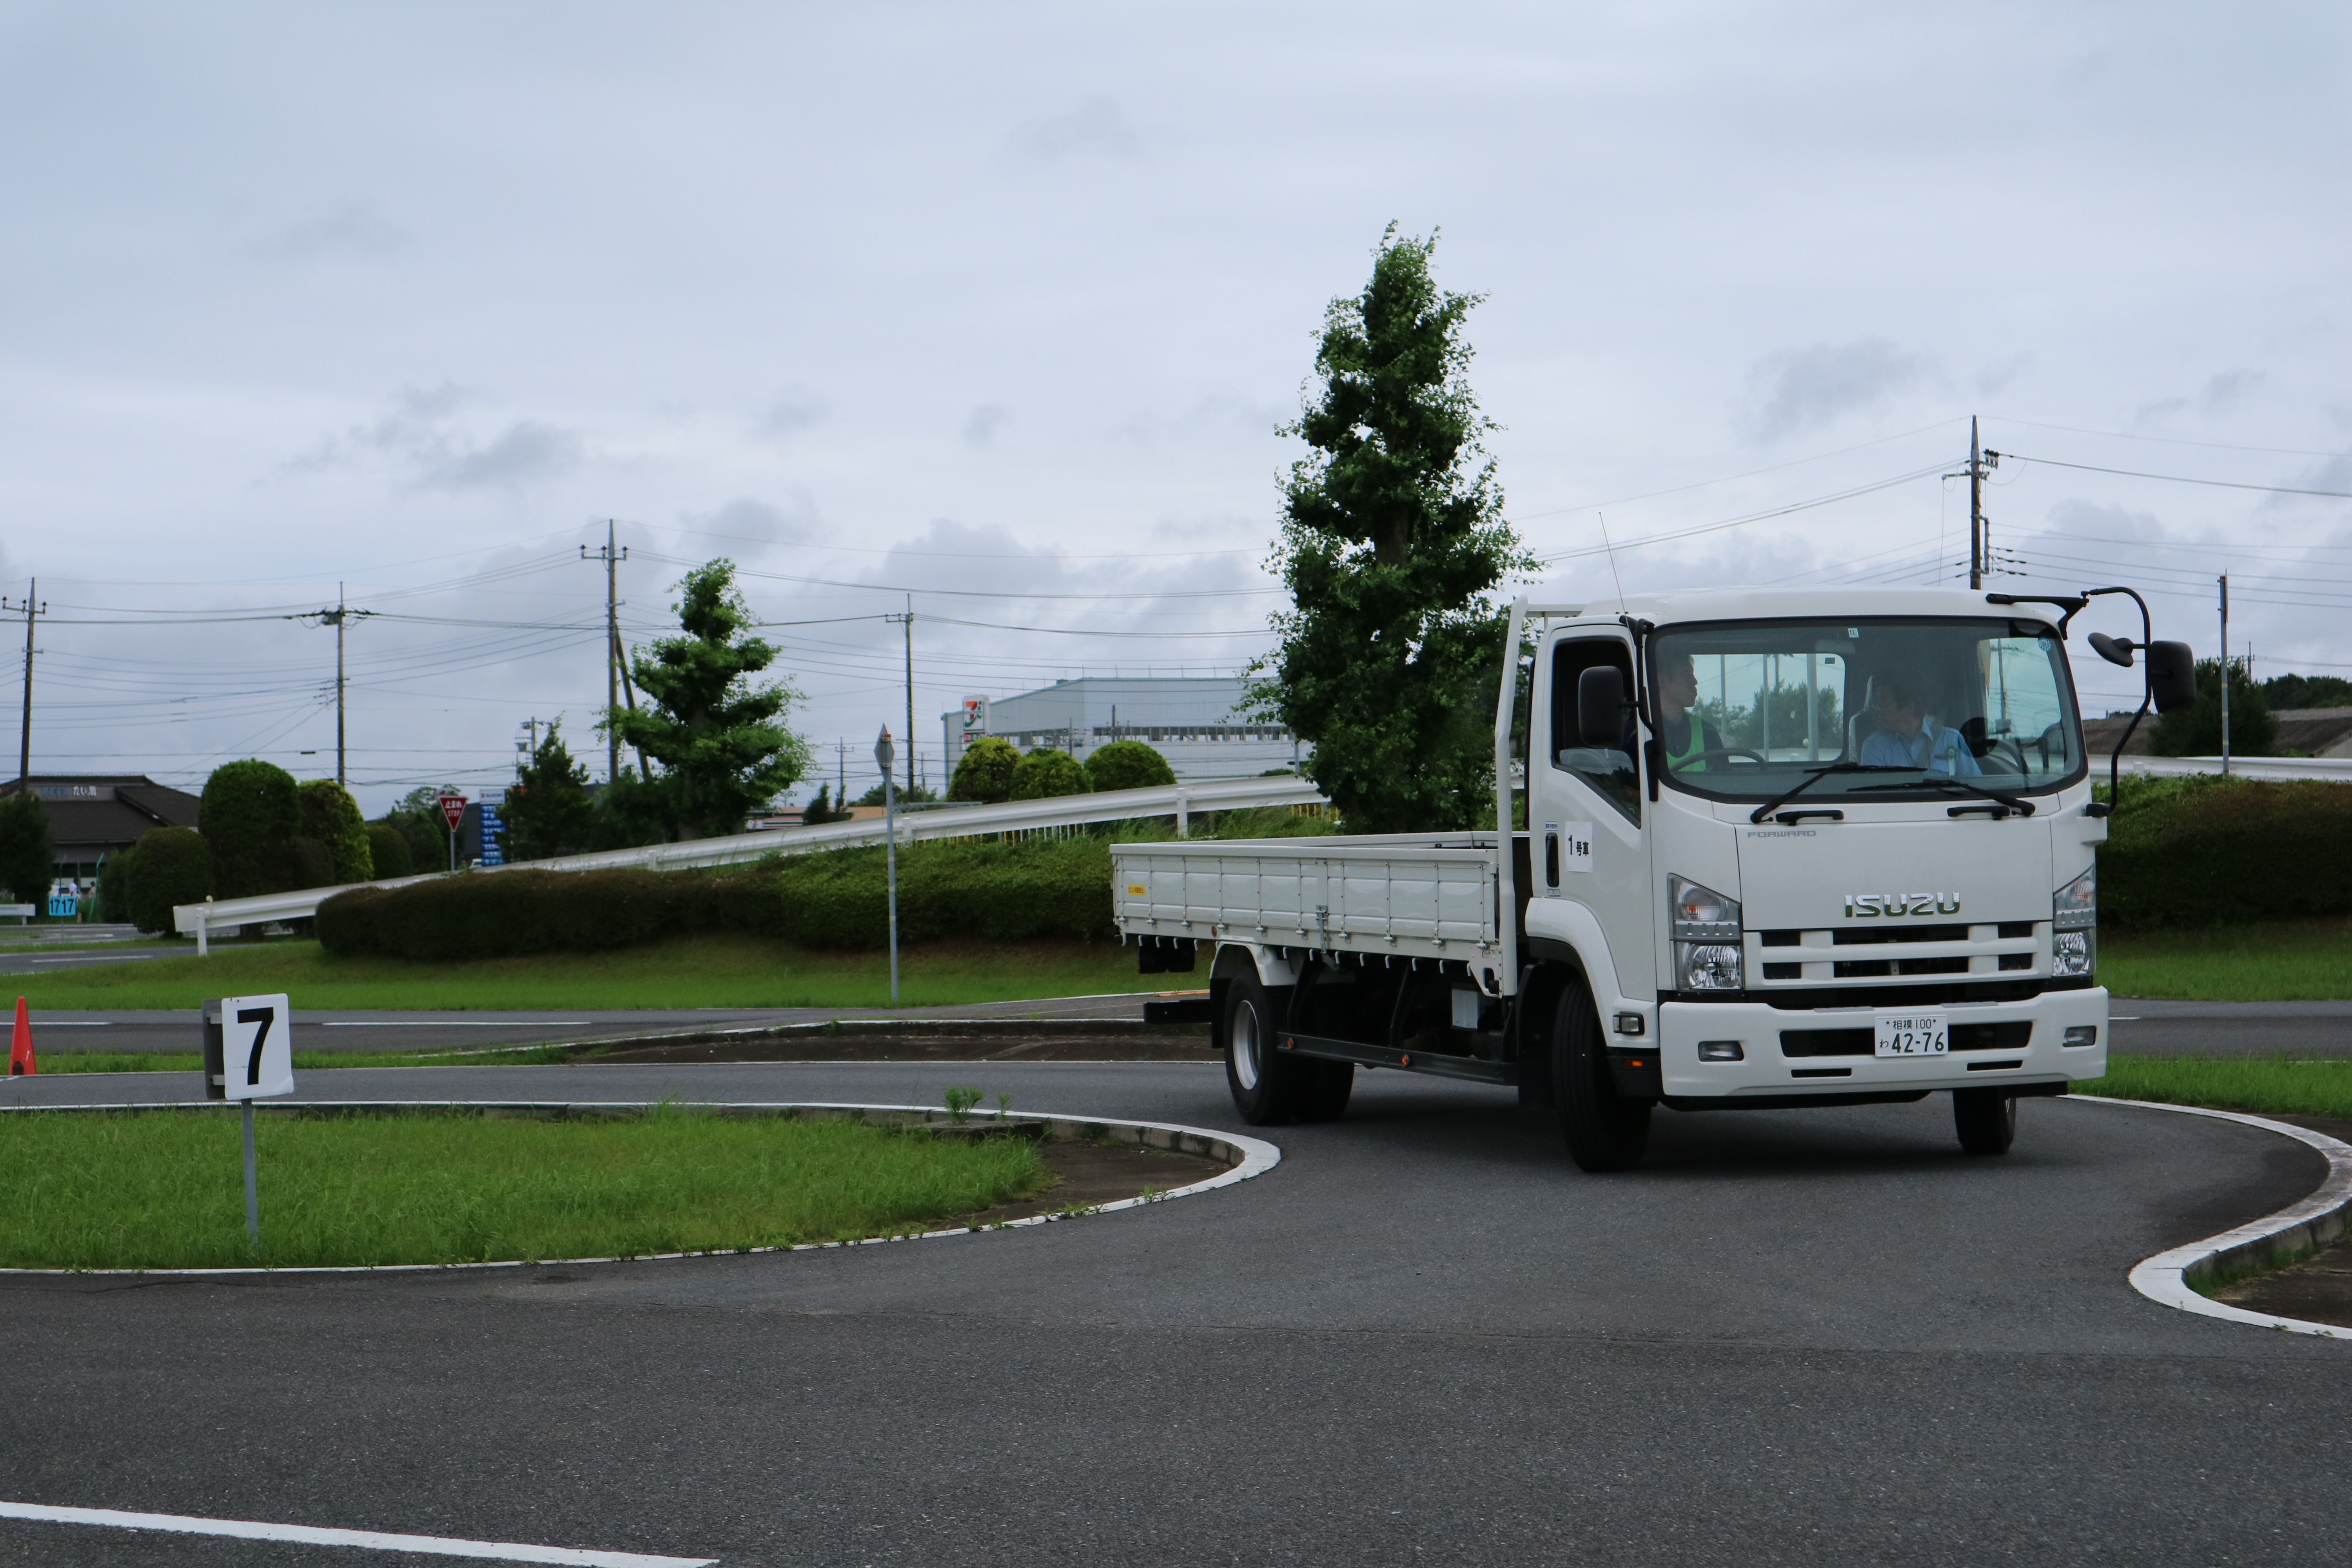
<point x="1000" y="304"/>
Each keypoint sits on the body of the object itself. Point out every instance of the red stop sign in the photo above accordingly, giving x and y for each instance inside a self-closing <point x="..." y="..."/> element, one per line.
<point x="452" y="810"/>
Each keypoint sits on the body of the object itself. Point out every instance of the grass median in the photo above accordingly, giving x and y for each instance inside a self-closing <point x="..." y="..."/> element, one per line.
<point x="2283" y="961"/>
<point x="709" y="970"/>
<point x="2291" y="1085"/>
<point x="164" y="1189"/>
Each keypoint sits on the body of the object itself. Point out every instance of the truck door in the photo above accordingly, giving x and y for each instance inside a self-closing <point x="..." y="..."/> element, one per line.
<point x="1584" y="815"/>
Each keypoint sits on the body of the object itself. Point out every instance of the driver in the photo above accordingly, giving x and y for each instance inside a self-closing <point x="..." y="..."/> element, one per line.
<point x="1908" y="738"/>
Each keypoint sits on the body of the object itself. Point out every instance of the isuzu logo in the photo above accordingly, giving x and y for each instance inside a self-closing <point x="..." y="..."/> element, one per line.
<point x="1873" y="906"/>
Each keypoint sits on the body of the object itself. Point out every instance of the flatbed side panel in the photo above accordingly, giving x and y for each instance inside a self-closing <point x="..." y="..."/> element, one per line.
<point x="1398" y="896"/>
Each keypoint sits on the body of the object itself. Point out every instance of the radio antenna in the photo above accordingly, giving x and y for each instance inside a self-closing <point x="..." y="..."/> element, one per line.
<point x="1613" y="560"/>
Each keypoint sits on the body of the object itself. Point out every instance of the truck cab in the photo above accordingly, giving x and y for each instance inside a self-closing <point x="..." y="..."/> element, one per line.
<point x="1839" y="848"/>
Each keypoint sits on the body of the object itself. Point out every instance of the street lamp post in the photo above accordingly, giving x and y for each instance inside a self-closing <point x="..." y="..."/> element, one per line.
<point x="886" y="754"/>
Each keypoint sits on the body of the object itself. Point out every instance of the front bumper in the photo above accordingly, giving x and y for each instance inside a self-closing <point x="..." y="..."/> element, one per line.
<point x="1767" y="1070"/>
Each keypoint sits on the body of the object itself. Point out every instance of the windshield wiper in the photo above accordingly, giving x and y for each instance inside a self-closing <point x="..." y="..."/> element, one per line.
<point x="1815" y="776"/>
<point x="2017" y="804"/>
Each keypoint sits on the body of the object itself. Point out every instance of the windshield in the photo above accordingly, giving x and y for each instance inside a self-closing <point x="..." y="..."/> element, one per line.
<point x="1746" y="709"/>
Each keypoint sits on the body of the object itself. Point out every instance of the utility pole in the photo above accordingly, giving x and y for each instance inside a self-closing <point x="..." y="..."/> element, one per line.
<point x="2225" y="675"/>
<point x="612" y="558"/>
<point x="530" y="749"/>
<point x="908" y="621"/>
<point x="337" y="618"/>
<point x="32" y="606"/>
<point x="1981" y="463"/>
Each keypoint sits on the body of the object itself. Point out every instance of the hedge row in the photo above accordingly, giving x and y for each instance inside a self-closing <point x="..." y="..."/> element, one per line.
<point x="1005" y="892"/>
<point x="2210" y="851"/>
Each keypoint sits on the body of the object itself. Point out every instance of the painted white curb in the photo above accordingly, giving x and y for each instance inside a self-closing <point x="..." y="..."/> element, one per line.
<point x="1254" y="1157"/>
<point x="365" y="1540"/>
<point x="2313" y="1223"/>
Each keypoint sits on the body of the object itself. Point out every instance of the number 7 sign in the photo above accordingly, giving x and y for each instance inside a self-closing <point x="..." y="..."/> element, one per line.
<point x="248" y="1047"/>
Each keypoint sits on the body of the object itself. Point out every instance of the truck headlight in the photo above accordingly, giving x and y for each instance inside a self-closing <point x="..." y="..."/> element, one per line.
<point x="2075" y="906"/>
<point x="1708" y="966"/>
<point x="2070" y="952"/>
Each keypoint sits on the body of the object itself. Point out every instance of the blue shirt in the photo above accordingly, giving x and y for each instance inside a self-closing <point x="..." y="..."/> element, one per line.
<point x="1938" y="751"/>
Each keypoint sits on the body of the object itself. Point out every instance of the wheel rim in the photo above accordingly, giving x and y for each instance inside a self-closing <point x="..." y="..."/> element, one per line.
<point x="1244" y="1046"/>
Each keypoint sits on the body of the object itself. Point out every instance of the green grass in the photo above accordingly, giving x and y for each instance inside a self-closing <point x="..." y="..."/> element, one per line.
<point x="2296" y="1086"/>
<point x="710" y="970"/>
<point x="164" y="1189"/>
<point x="2288" y="961"/>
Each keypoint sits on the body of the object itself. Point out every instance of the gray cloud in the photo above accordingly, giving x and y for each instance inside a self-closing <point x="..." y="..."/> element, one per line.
<point x="525" y="453"/>
<point x="1798" y="389"/>
<point x="2155" y="412"/>
<point x="2224" y="392"/>
<point x="1096" y="128"/>
<point x="981" y="425"/>
<point x="349" y="229"/>
<point x="748" y="521"/>
<point x="1995" y="379"/>
<point x="790" y="415"/>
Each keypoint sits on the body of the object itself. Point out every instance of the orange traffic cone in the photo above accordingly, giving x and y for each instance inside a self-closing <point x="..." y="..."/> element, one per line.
<point x="20" y="1049"/>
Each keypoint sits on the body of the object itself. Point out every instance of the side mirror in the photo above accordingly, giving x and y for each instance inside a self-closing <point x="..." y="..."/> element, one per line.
<point x="2172" y="676"/>
<point x="2114" y="650"/>
<point x="1601" y="706"/>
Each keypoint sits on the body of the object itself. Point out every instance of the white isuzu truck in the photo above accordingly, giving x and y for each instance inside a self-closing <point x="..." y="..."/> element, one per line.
<point x="1799" y="847"/>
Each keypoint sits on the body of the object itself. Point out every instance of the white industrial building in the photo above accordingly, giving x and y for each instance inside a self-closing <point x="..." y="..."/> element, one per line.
<point x="1192" y="721"/>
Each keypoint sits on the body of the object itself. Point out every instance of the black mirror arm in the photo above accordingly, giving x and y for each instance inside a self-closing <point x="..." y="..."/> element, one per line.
<point x="2146" y="687"/>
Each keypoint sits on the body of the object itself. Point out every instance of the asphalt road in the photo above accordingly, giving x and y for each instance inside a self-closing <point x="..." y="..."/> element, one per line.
<point x="1815" y="1337"/>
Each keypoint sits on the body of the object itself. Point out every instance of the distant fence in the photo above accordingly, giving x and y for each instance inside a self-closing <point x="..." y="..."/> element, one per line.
<point x="1016" y="818"/>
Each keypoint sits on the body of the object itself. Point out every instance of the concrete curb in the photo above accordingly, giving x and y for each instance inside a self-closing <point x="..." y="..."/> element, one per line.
<point x="2313" y="1223"/>
<point x="1253" y="1157"/>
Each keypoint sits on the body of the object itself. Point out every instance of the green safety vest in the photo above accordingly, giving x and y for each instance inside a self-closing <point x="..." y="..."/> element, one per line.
<point x="1675" y="762"/>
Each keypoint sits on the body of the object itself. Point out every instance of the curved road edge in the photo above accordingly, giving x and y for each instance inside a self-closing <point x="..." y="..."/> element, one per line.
<point x="2309" y="1225"/>
<point x="1253" y="1157"/>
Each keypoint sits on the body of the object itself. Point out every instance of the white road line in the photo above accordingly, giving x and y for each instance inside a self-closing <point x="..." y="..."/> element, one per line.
<point x="368" y="1539"/>
<point x="453" y="1024"/>
<point x="101" y="958"/>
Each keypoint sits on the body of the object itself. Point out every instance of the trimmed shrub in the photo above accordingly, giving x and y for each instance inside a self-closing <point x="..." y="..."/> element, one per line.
<point x="248" y="817"/>
<point x="113" y="896"/>
<point x="1127" y="764"/>
<point x="331" y="819"/>
<point x="508" y="912"/>
<point x="168" y="866"/>
<point x="2212" y="851"/>
<point x="388" y="851"/>
<point x="950" y="888"/>
<point x="1043" y="774"/>
<point x="986" y="774"/>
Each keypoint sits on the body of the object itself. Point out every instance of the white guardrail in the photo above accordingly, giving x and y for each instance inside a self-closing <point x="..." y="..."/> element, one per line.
<point x="1180" y="801"/>
<point x="2335" y="769"/>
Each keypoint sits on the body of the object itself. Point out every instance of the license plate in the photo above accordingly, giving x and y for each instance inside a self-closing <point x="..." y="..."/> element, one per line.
<point x="1914" y="1034"/>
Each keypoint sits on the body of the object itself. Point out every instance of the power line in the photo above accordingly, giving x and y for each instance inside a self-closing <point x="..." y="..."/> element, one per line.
<point x="2175" y="478"/>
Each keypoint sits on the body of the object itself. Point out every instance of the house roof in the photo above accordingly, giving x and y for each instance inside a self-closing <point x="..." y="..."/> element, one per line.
<point x="96" y="813"/>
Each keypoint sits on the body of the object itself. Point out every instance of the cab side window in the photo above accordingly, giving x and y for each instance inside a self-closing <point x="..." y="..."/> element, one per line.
<point x="1608" y="769"/>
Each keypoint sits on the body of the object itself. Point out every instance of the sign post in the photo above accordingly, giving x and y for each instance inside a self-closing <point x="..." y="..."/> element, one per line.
<point x="885" y="754"/>
<point x="453" y="812"/>
<point x="249" y="1056"/>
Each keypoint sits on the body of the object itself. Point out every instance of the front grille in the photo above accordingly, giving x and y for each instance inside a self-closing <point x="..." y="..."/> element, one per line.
<point x="1863" y="968"/>
<point x="1782" y="938"/>
<point x="1844" y="938"/>
<point x="2009" y="1037"/>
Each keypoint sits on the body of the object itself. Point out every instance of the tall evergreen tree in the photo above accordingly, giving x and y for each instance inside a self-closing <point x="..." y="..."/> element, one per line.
<point x="713" y="733"/>
<point x="549" y="812"/>
<point x="1393" y="546"/>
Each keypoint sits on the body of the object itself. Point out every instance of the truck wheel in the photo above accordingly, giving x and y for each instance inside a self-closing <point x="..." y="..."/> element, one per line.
<point x="1328" y="1085"/>
<point x="1986" y="1120"/>
<point x="1269" y="1089"/>
<point x="1604" y="1131"/>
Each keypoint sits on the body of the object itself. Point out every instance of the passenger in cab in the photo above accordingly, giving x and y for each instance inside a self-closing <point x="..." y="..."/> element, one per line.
<point x="1681" y="734"/>
<point x="1906" y="737"/>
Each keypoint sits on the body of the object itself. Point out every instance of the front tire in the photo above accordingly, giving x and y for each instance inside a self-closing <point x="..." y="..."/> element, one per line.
<point x="1603" y="1131"/>
<point x="1985" y="1118"/>
<point x="1270" y="1087"/>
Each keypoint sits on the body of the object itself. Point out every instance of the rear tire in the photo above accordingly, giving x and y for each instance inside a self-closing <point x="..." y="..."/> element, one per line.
<point x="1604" y="1131"/>
<point x="1270" y="1088"/>
<point x="1985" y="1118"/>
